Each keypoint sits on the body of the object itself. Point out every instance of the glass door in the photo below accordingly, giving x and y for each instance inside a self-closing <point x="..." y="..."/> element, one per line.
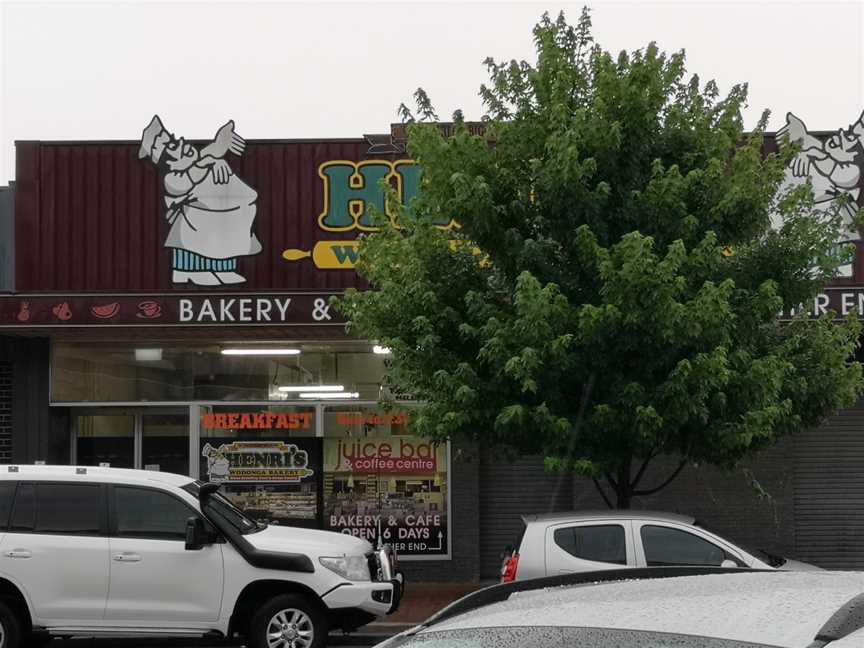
<point x="165" y="442"/>
<point x="105" y="439"/>
<point x="148" y="438"/>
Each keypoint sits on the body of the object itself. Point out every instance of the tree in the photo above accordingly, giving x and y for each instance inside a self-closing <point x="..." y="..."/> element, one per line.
<point x="611" y="291"/>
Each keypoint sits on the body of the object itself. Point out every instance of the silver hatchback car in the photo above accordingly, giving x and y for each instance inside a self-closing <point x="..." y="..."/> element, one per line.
<point x="564" y="543"/>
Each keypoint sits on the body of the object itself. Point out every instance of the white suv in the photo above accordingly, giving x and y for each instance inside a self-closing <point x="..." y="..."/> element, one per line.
<point x="107" y="551"/>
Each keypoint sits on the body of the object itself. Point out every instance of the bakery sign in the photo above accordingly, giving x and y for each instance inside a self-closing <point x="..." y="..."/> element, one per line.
<point x="840" y="300"/>
<point x="257" y="461"/>
<point x="193" y="309"/>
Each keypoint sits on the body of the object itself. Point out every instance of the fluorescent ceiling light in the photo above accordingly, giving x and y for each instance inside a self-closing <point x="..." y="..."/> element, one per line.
<point x="260" y="352"/>
<point x="306" y="388"/>
<point x="341" y="395"/>
<point x="381" y="350"/>
<point x="148" y="355"/>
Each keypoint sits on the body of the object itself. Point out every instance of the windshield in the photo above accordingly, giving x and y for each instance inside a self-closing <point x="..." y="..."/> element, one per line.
<point x="562" y="637"/>
<point x="772" y="559"/>
<point x="221" y="506"/>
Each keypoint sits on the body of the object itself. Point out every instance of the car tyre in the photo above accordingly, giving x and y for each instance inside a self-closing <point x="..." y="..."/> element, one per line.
<point x="10" y="627"/>
<point x="287" y="621"/>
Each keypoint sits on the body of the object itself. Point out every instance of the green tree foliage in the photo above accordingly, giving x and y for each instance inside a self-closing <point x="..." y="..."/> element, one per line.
<point x="625" y="302"/>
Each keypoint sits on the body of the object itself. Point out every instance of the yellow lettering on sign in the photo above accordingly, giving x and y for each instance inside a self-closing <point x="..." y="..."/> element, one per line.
<point x="342" y="255"/>
<point x="328" y="255"/>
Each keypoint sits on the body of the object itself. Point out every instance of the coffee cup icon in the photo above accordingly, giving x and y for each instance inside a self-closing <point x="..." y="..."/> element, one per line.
<point x="149" y="310"/>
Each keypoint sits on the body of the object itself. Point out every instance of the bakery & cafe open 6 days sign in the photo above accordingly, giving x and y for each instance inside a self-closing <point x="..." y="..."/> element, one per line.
<point x="395" y="484"/>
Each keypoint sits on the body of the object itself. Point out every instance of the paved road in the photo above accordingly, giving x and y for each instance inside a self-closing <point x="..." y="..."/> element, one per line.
<point x="114" y="643"/>
<point x="340" y="642"/>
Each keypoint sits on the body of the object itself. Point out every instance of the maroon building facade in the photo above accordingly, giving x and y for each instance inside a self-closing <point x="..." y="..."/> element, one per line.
<point x="165" y="304"/>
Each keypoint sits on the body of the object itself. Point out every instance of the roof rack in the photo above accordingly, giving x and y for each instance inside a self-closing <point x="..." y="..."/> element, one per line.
<point x="501" y="592"/>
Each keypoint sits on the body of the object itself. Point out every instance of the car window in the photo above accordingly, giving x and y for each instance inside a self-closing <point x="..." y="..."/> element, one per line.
<point x="600" y="543"/>
<point x="72" y="509"/>
<point x="668" y="546"/>
<point x="7" y="494"/>
<point x="23" y="509"/>
<point x="147" y="513"/>
<point x="561" y="637"/>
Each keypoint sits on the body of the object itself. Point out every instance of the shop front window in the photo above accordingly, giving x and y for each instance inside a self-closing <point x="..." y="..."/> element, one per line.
<point x="268" y="460"/>
<point x="378" y="479"/>
<point x="114" y="373"/>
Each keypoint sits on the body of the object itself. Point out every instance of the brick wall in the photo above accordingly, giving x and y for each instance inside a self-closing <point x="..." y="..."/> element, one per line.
<point x="752" y="505"/>
<point x="5" y="412"/>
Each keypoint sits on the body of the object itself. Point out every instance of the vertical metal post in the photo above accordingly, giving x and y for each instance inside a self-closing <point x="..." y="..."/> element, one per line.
<point x="138" y="418"/>
<point x="73" y="441"/>
<point x="195" y="412"/>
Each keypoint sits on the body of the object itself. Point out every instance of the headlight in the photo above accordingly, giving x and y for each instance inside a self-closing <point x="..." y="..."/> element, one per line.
<point x="354" y="568"/>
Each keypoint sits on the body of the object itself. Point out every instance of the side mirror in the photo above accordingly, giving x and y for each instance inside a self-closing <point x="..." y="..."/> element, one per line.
<point x="196" y="534"/>
<point x="728" y="563"/>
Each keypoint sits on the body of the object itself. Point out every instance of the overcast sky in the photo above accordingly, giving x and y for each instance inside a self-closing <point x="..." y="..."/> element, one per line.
<point x="100" y="70"/>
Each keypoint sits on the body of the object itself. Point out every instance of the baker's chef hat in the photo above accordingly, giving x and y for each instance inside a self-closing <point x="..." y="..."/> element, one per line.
<point x="153" y="140"/>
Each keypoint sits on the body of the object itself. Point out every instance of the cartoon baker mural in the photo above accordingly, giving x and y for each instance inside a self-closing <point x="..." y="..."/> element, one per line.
<point x="833" y="167"/>
<point x="211" y="211"/>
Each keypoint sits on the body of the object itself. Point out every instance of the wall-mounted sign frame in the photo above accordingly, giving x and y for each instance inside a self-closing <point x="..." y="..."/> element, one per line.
<point x="158" y="310"/>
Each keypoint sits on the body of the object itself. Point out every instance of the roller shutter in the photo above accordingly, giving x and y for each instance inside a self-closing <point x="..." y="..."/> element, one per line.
<point x="829" y="492"/>
<point x="507" y="491"/>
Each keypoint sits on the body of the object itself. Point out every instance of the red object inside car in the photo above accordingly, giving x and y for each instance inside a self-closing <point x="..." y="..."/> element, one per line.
<point x="508" y="571"/>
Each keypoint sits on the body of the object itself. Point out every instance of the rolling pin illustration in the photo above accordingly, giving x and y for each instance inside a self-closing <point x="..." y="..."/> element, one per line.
<point x="327" y="255"/>
<point x="342" y="255"/>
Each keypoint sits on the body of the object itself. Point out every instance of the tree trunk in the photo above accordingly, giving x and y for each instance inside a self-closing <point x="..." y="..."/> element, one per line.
<point x="623" y="501"/>
<point x="623" y="487"/>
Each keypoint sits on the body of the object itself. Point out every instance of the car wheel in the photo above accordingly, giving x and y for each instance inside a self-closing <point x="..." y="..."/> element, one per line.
<point x="287" y="621"/>
<point x="10" y="628"/>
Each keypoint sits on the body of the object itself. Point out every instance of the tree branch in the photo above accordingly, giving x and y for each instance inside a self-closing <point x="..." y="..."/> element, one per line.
<point x="611" y="480"/>
<point x="651" y="491"/>
<point x="642" y="468"/>
<point x="602" y="494"/>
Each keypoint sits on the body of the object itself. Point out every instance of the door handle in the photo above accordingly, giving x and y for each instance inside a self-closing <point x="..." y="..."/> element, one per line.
<point x="18" y="553"/>
<point x="127" y="556"/>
